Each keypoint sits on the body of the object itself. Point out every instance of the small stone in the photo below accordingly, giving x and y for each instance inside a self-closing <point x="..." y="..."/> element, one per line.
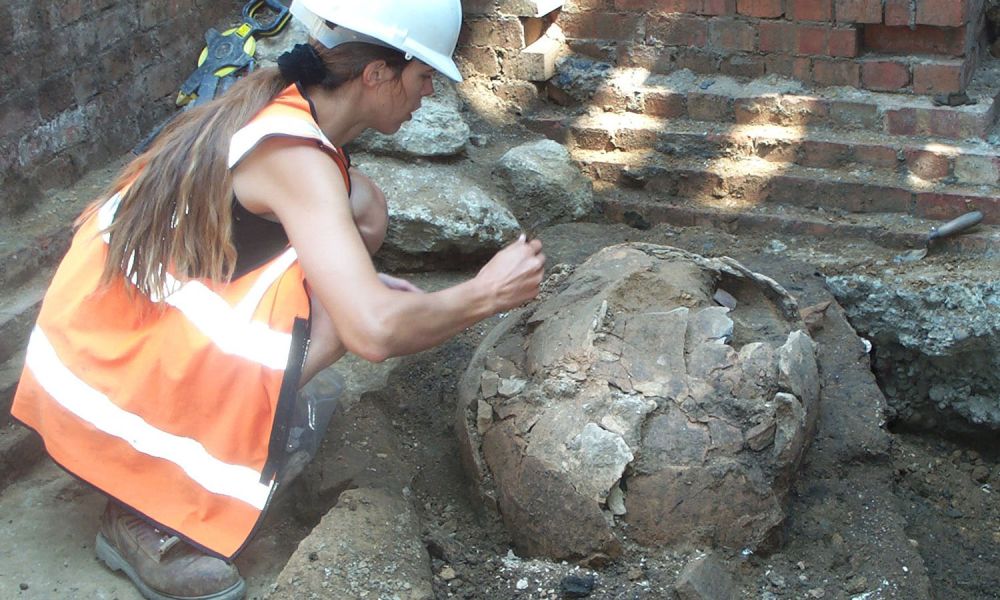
<point x="447" y="573"/>
<point x="981" y="474"/>
<point x="817" y="593"/>
<point x="616" y="501"/>
<point x="635" y="574"/>
<point x="313" y="556"/>
<point x="484" y="416"/>
<point x="511" y="387"/>
<point x="856" y="584"/>
<point x="576" y="586"/>
<point x="24" y="586"/>
<point x="522" y="584"/>
<point x="489" y="384"/>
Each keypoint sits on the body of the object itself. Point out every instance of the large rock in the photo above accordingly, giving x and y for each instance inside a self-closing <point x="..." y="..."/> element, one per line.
<point x="367" y="546"/>
<point x="438" y="217"/>
<point x="544" y="184"/>
<point x="629" y="399"/>
<point x="937" y="345"/>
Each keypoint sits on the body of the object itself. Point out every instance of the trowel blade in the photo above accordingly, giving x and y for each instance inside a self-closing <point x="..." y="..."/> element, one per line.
<point x="911" y="256"/>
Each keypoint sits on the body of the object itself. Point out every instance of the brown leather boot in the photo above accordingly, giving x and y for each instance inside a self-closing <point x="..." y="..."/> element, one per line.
<point x="161" y="565"/>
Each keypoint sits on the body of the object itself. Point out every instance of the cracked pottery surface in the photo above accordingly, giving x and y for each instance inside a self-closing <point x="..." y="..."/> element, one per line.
<point x="629" y="404"/>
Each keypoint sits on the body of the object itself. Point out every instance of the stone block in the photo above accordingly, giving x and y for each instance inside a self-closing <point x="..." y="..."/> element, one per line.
<point x="537" y="62"/>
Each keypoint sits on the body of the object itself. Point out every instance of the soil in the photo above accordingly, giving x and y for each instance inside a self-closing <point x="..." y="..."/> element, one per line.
<point x="862" y="489"/>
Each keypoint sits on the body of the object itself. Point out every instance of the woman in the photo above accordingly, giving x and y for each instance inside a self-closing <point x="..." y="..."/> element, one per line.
<point x="230" y="265"/>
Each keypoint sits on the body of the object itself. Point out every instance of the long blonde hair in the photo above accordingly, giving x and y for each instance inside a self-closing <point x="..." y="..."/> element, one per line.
<point x="176" y="207"/>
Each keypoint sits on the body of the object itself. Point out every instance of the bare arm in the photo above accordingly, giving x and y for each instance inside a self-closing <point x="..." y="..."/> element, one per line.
<point x="302" y="187"/>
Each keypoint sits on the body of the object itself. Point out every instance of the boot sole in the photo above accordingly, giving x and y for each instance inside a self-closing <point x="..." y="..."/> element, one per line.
<point x="114" y="561"/>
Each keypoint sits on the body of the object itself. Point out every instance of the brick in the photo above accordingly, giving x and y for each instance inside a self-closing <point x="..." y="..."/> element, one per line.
<point x="732" y="34"/>
<point x="479" y="8"/>
<point x="930" y="205"/>
<point x="699" y="61"/>
<point x="629" y="139"/>
<point x="836" y="72"/>
<point x="922" y="39"/>
<point x="877" y="156"/>
<point x="677" y="30"/>
<point x="789" y="66"/>
<point x="743" y="65"/>
<point x="812" y="40"/>
<point x="977" y="170"/>
<point x="777" y="37"/>
<point x="938" y="78"/>
<point x="761" y="9"/>
<point x="899" y="13"/>
<point x="537" y="62"/>
<point x="941" y="122"/>
<point x="858" y="11"/>
<point x="781" y="110"/>
<point x="504" y="32"/>
<point x="528" y="8"/>
<point x="599" y="25"/>
<point x="823" y="154"/>
<point x="664" y="104"/>
<point x="810" y="10"/>
<point x="709" y="107"/>
<point x="658" y="6"/>
<point x="946" y="13"/>
<point x="592" y="138"/>
<point x="479" y="59"/>
<point x="844" y="42"/>
<point x="884" y="75"/>
<point x="927" y="164"/>
<point x="718" y="7"/>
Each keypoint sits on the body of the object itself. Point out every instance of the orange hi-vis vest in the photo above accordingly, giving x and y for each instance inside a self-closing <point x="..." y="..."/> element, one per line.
<point x="181" y="413"/>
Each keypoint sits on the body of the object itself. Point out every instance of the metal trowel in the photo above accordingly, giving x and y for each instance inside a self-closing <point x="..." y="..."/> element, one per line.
<point x="956" y="225"/>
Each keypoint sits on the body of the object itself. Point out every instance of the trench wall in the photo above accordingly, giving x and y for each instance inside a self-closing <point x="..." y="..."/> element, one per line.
<point x="82" y="82"/>
<point x="901" y="46"/>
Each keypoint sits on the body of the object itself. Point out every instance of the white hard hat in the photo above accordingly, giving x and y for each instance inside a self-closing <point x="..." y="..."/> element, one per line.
<point x="425" y="29"/>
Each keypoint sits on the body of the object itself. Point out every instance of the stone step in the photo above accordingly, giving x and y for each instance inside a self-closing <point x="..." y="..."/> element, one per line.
<point x="18" y="309"/>
<point x="772" y="100"/>
<point x="637" y="209"/>
<point x="752" y="181"/>
<point x="35" y="241"/>
<point x="968" y="163"/>
<point x="10" y="373"/>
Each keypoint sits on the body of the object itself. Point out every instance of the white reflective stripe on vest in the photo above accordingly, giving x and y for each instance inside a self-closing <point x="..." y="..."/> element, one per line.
<point x="246" y="139"/>
<point x="90" y="405"/>
<point x="230" y="328"/>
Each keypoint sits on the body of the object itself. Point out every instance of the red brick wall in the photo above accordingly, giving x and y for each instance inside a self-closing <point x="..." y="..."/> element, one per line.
<point x="906" y="46"/>
<point x="82" y="81"/>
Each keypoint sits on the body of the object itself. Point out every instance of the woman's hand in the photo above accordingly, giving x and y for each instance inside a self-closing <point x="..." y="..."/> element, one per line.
<point x="395" y="283"/>
<point x="514" y="274"/>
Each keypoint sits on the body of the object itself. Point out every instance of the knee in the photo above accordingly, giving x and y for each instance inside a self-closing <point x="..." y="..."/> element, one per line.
<point x="371" y="213"/>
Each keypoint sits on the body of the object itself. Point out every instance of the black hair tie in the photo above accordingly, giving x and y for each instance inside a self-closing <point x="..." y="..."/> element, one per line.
<point x="302" y="64"/>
